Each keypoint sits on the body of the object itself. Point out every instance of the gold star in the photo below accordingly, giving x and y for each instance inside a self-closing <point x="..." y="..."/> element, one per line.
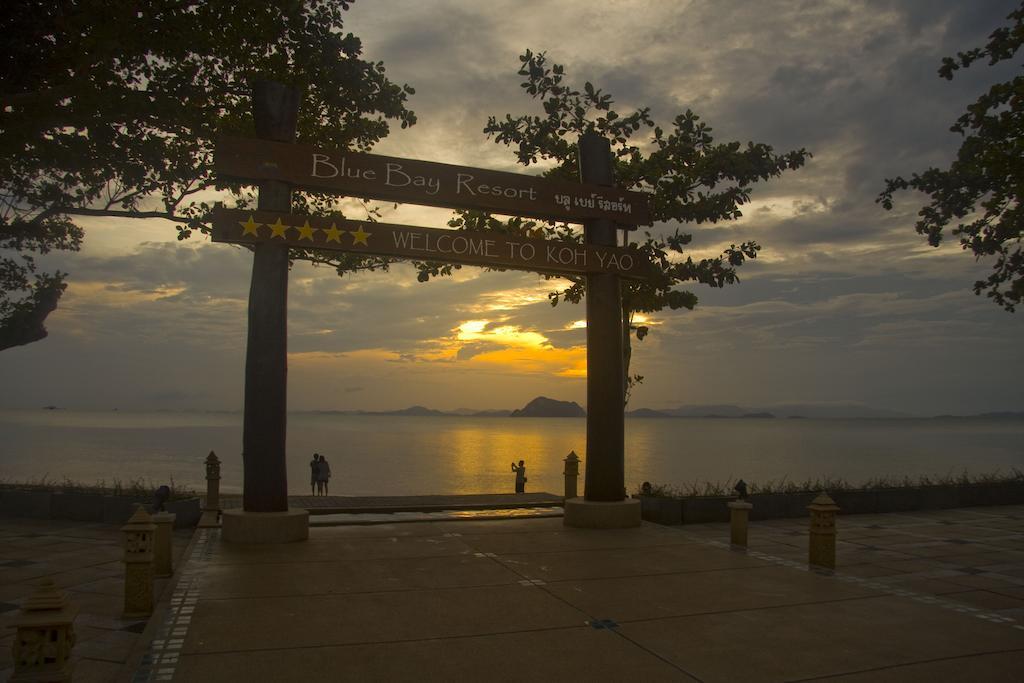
<point x="360" y="236"/>
<point x="278" y="229"/>
<point x="306" y="232"/>
<point x="250" y="227"/>
<point x="333" y="234"/>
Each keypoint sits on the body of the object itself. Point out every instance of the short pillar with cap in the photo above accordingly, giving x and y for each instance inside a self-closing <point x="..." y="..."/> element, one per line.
<point x="739" y="515"/>
<point x="211" y="508"/>
<point x="163" y="544"/>
<point x="45" y="635"/>
<point x="572" y="474"/>
<point x="139" y="535"/>
<point x="822" y="543"/>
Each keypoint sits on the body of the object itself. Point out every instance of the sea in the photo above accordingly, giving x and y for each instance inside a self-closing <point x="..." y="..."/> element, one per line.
<point x="408" y="455"/>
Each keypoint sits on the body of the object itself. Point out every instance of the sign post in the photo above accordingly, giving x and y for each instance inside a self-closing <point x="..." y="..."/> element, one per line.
<point x="373" y="176"/>
<point x="604" y="504"/>
<point x="279" y="165"/>
<point x="487" y="249"/>
<point x="275" y="109"/>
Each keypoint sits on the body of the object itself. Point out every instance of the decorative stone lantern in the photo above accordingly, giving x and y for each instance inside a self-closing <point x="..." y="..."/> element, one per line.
<point x="572" y="473"/>
<point x="45" y="636"/>
<point x="211" y="508"/>
<point x="822" y="544"/>
<point x="212" y="482"/>
<point x="139" y="535"/>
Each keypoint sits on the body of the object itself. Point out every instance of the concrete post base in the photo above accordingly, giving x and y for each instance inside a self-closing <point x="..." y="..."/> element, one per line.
<point x="238" y="526"/>
<point x="589" y="514"/>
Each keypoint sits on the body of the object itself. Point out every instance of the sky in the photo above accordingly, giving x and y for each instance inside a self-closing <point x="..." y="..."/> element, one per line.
<point x="845" y="305"/>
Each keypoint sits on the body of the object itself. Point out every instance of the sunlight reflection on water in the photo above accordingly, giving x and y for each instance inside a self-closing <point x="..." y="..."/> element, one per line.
<point x="377" y="455"/>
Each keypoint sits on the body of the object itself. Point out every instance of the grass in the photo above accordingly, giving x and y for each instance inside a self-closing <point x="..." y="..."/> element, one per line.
<point x="701" y="489"/>
<point x="131" y="488"/>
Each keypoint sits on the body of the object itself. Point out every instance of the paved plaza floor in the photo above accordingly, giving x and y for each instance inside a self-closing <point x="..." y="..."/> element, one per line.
<point x="934" y="596"/>
<point x="85" y="560"/>
<point x="925" y="596"/>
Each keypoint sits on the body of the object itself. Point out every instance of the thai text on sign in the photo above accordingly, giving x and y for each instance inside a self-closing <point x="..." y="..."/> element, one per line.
<point x="373" y="176"/>
<point x="492" y="249"/>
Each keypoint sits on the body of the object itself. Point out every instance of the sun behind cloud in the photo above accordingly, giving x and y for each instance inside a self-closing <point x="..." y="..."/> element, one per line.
<point x="516" y="350"/>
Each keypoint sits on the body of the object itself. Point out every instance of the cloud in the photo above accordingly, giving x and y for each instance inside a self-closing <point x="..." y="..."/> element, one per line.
<point x="845" y="303"/>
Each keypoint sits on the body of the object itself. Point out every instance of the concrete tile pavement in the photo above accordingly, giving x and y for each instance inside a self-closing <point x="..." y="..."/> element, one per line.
<point x="83" y="559"/>
<point x="917" y="596"/>
<point x="530" y="599"/>
<point x="966" y="555"/>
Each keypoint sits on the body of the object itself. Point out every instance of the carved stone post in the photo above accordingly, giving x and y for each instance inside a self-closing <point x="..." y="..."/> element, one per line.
<point x="572" y="473"/>
<point x="211" y="508"/>
<point x="138" y="564"/>
<point x="45" y="636"/>
<point x="163" y="544"/>
<point x="822" y="545"/>
<point x="212" y="482"/>
<point x="739" y="514"/>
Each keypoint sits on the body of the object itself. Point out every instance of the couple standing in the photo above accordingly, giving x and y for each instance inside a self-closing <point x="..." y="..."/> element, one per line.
<point x="319" y="474"/>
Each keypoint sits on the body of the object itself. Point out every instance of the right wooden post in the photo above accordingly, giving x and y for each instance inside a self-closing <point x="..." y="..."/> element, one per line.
<point x="604" y="504"/>
<point x="604" y="479"/>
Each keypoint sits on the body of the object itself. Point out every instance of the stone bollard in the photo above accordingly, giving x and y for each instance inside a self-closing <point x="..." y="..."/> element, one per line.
<point x="212" y="482"/>
<point x="211" y="509"/>
<point x="739" y="515"/>
<point x="163" y="542"/>
<point x="138" y="564"/>
<point x="822" y="545"/>
<point x="45" y="636"/>
<point x="572" y="474"/>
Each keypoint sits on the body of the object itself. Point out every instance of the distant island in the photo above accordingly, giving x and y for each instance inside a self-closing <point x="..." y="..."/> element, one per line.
<point x="542" y="406"/>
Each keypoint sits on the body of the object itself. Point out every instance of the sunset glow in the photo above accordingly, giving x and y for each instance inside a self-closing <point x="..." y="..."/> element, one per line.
<point x="844" y="303"/>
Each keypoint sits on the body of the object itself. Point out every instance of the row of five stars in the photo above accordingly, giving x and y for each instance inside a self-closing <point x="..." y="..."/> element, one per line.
<point x="279" y="229"/>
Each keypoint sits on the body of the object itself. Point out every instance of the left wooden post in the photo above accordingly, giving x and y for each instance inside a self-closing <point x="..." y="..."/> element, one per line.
<point x="265" y="516"/>
<point x="275" y="108"/>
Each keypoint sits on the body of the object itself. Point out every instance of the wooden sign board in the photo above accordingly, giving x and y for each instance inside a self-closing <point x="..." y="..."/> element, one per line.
<point x="372" y="176"/>
<point x="491" y="249"/>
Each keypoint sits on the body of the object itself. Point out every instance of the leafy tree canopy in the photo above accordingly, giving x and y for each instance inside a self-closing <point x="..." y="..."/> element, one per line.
<point x="980" y="191"/>
<point x="690" y="177"/>
<point x="111" y="108"/>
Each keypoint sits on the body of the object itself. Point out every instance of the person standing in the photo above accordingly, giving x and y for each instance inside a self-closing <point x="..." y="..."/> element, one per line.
<point x="312" y="473"/>
<point x="323" y="476"/>
<point x="520" y="471"/>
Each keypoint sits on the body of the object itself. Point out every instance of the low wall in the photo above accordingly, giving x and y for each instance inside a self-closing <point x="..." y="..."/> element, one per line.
<point x="780" y="505"/>
<point x="89" y="507"/>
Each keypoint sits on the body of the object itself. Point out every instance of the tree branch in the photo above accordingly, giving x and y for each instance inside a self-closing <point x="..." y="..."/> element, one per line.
<point x="81" y="211"/>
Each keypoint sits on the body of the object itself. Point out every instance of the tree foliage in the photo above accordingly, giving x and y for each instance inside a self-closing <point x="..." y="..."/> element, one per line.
<point x="980" y="192"/>
<point x="689" y="176"/>
<point x="111" y="108"/>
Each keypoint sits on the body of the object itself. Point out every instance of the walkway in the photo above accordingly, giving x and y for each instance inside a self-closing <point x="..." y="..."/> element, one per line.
<point x="324" y="505"/>
<point x="83" y="559"/>
<point x="919" y="597"/>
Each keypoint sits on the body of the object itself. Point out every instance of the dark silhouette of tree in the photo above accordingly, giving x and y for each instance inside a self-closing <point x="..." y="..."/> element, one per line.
<point x="111" y="108"/>
<point x="980" y="191"/>
<point x="690" y="179"/>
